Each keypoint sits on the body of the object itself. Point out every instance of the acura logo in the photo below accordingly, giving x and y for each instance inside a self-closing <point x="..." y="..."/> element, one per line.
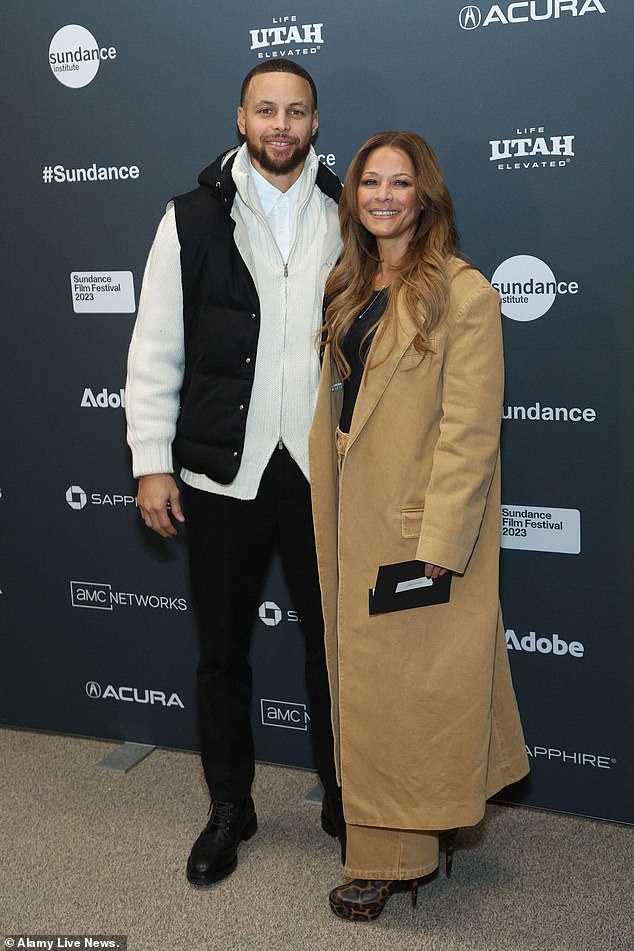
<point x="93" y="690"/>
<point x="470" y="17"/>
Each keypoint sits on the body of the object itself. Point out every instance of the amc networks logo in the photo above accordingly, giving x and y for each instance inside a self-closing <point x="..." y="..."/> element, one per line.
<point x="284" y="714"/>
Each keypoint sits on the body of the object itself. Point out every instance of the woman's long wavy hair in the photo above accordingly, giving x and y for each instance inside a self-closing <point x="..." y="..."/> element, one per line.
<point x="420" y="286"/>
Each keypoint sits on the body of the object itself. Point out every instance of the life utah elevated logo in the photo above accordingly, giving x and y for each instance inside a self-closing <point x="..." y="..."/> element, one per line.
<point x="285" y="38"/>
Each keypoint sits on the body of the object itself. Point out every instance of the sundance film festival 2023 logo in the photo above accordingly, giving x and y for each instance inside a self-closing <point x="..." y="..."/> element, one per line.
<point x="528" y="287"/>
<point x="287" y="38"/>
<point x="471" y="16"/>
<point x="102" y="292"/>
<point x="75" y="56"/>
<point x="531" y="148"/>
<point x="541" y="528"/>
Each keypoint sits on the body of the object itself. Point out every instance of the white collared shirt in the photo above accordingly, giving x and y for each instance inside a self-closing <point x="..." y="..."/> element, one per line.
<point x="280" y="208"/>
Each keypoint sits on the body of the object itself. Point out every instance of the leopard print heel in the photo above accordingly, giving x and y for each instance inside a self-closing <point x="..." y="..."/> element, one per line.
<point x="363" y="899"/>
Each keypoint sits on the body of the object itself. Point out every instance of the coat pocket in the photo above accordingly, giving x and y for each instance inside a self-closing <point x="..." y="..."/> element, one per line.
<point x="411" y="522"/>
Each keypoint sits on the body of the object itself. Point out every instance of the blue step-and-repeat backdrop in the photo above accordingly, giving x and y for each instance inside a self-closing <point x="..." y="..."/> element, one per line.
<point x="111" y="109"/>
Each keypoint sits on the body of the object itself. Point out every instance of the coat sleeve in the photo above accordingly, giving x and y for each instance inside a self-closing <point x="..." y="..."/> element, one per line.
<point x="467" y="449"/>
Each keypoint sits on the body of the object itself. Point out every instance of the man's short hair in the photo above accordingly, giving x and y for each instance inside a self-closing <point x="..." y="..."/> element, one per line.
<point x="278" y="66"/>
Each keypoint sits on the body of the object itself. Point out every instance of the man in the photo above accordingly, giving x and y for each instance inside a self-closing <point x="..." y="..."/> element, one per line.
<point x="224" y="367"/>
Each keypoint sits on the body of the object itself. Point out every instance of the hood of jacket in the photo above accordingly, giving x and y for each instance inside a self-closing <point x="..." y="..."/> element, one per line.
<point x="218" y="178"/>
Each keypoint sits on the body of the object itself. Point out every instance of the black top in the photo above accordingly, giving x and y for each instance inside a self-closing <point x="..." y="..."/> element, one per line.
<point x="356" y="353"/>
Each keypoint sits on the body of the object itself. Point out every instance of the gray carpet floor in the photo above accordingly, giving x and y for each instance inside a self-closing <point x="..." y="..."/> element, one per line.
<point x="87" y="851"/>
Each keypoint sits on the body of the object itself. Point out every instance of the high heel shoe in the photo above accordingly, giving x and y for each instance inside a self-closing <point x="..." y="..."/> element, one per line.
<point x="448" y="840"/>
<point x="362" y="899"/>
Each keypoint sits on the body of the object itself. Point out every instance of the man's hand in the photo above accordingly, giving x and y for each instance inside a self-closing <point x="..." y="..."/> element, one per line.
<point x="156" y="493"/>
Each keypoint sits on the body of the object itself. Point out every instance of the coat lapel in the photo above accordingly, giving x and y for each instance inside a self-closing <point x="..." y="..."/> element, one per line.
<point x="383" y="359"/>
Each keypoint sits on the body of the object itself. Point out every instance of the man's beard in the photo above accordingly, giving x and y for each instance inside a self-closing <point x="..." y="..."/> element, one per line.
<point x="289" y="164"/>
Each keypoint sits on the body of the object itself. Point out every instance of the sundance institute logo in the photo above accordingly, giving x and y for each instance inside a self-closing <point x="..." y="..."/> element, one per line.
<point x="528" y="287"/>
<point x="75" y="56"/>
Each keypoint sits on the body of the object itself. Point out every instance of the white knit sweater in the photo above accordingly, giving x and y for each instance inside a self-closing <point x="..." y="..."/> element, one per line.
<point x="287" y="364"/>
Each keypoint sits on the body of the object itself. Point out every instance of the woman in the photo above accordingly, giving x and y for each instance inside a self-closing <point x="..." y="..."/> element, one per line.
<point x="405" y="468"/>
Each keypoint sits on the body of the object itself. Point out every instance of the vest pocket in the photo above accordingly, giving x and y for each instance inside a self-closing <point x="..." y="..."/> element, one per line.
<point x="411" y="522"/>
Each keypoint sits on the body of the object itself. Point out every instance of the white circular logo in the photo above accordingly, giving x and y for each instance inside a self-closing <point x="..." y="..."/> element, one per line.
<point x="74" y="56"/>
<point x="526" y="285"/>
<point x="75" y="496"/>
<point x="270" y="613"/>
<point x="93" y="689"/>
<point x="470" y="17"/>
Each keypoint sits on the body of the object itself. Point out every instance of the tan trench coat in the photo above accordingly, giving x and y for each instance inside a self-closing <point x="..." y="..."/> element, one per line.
<point x="425" y="720"/>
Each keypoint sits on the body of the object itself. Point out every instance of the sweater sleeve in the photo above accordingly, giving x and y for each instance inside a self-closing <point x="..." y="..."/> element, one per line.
<point x="157" y="357"/>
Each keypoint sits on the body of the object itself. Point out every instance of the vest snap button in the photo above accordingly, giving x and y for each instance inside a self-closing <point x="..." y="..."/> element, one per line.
<point x="248" y="360"/>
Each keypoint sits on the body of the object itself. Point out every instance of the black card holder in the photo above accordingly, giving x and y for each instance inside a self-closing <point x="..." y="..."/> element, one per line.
<point x="403" y="585"/>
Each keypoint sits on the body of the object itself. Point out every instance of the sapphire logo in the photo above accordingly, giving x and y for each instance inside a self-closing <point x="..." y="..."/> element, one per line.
<point x="470" y="18"/>
<point x="269" y="613"/>
<point x="570" y="757"/>
<point x="76" y="497"/>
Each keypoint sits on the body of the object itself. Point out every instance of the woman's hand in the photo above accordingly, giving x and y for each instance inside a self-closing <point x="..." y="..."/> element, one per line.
<point x="434" y="571"/>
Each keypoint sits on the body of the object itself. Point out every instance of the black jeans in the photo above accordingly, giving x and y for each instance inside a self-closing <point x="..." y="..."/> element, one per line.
<point x="230" y="546"/>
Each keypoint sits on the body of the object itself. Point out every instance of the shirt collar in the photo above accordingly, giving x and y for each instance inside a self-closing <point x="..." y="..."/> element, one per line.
<point x="270" y="196"/>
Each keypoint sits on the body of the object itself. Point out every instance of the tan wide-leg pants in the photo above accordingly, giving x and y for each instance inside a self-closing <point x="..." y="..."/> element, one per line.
<point x="390" y="853"/>
<point x="386" y="853"/>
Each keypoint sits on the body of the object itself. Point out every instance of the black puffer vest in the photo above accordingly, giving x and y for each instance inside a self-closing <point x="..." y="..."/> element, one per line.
<point x="221" y="314"/>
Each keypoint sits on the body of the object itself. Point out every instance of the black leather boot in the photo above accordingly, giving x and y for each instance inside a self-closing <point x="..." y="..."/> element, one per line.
<point x="332" y="820"/>
<point x="214" y="855"/>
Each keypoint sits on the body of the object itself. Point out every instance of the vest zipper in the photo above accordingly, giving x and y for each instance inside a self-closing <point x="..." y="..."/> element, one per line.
<point x="280" y="444"/>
